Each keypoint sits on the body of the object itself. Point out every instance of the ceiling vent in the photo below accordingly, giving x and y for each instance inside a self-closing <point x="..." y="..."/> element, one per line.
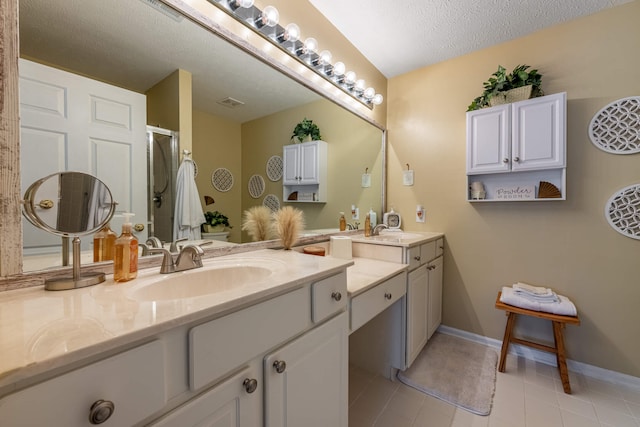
<point x="164" y="9"/>
<point x="230" y="102"/>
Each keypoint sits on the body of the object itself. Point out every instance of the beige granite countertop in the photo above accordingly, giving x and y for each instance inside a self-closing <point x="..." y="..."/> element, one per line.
<point x="399" y="238"/>
<point x="45" y="330"/>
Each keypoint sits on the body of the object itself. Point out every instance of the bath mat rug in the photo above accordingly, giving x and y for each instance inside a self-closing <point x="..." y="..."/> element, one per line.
<point x="455" y="370"/>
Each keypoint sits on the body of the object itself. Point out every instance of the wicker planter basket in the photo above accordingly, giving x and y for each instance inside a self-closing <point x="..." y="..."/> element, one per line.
<point x="512" y="95"/>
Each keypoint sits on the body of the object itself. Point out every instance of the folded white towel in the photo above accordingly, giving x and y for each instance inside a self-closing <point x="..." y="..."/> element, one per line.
<point x="533" y="290"/>
<point x="563" y="307"/>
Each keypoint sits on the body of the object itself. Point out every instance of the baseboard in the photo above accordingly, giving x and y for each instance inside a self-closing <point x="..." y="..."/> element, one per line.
<point x="547" y="358"/>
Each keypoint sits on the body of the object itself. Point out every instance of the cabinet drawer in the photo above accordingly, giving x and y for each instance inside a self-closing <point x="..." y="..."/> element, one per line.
<point x="221" y="345"/>
<point x="366" y="306"/>
<point x="439" y="247"/>
<point x="413" y="257"/>
<point x="420" y="255"/>
<point x="328" y="296"/>
<point x="133" y="381"/>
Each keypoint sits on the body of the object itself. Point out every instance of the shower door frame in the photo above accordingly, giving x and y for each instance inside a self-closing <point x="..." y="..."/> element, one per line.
<point x="175" y="146"/>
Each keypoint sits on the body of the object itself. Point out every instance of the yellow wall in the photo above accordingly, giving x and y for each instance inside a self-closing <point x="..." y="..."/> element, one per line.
<point x="567" y="245"/>
<point x="217" y="144"/>
<point x="353" y="145"/>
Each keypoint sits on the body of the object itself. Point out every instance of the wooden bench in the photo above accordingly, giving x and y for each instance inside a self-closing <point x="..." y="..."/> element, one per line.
<point x="558" y="322"/>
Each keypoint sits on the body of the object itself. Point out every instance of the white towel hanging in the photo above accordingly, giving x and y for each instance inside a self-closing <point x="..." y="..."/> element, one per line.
<point x="188" y="215"/>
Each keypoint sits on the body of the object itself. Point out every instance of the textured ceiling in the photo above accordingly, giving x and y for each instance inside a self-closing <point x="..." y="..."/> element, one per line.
<point x="401" y="36"/>
<point x="132" y="45"/>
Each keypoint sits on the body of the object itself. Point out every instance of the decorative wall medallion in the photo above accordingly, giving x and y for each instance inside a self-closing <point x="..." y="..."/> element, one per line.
<point x="272" y="202"/>
<point x="274" y="168"/>
<point x="616" y="127"/>
<point x="623" y="211"/>
<point x="256" y="186"/>
<point x="222" y="179"/>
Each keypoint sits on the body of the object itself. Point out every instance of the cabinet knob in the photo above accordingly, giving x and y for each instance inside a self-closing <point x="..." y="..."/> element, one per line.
<point x="100" y="411"/>
<point x="250" y="385"/>
<point x="417" y="257"/>
<point x="336" y="296"/>
<point x="516" y="159"/>
<point x="388" y="295"/>
<point x="280" y="366"/>
<point x="431" y="267"/>
<point x="505" y="160"/>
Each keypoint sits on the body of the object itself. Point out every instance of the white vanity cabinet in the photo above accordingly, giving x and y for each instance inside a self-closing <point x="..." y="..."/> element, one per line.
<point x="305" y="171"/>
<point x="518" y="144"/>
<point x="118" y="391"/>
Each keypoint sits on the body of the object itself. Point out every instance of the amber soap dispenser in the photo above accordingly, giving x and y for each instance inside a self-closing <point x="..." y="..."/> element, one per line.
<point x="103" y="244"/>
<point x="125" y="263"/>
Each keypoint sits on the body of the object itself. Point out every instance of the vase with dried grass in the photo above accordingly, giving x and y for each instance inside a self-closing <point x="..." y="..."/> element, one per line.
<point x="289" y="222"/>
<point x="258" y="223"/>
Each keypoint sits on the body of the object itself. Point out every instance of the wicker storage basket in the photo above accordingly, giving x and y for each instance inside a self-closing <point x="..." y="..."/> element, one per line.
<point x="512" y="95"/>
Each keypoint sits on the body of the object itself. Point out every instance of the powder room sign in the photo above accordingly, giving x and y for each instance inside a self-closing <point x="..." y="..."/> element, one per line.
<point x="519" y="192"/>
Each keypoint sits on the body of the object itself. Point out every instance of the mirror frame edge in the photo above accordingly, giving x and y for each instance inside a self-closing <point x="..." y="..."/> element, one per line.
<point x="10" y="208"/>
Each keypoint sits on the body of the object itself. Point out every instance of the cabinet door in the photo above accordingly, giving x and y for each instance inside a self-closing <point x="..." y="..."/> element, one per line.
<point x="310" y="387"/>
<point x="489" y="140"/>
<point x="538" y="138"/>
<point x="435" y="295"/>
<point x="417" y="315"/>
<point x="234" y="403"/>
<point x="290" y="164"/>
<point x="309" y="163"/>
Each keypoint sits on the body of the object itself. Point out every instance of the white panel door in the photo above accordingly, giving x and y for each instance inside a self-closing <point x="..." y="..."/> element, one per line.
<point x="70" y="122"/>
<point x="417" y="312"/>
<point x="291" y="164"/>
<point x="539" y="133"/>
<point x="309" y="163"/>
<point x="435" y="295"/>
<point x="489" y="140"/>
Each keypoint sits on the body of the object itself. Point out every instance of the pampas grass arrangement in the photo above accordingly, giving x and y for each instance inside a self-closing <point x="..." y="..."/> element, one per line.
<point x="257" y="222"/>
<point x="289" y="222"/>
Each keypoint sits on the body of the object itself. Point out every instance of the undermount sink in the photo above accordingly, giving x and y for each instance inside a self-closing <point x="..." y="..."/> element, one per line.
<point x="208" y="280"/>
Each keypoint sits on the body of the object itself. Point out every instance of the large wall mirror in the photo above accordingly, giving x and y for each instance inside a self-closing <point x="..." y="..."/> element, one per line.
<point x="142" y="63"/>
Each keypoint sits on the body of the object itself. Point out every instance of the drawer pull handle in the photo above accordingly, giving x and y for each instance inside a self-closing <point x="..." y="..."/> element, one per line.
<point x="250" y="385"/>
<point x="517" y="159"/>
<point x="505" y="160"/>
<point x="336" y="296"/>
<point x="417" y="257"/>
<point x="388" y="295"/>
<point x="100" y="411"/>
<point x="280" y="366"/>
<point x="441" y="247"/>
<point x="431" y="267"/>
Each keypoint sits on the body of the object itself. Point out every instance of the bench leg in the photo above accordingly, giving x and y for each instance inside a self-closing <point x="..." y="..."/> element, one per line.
<point x="561" y="357"/>
<point x="508" y="332"/>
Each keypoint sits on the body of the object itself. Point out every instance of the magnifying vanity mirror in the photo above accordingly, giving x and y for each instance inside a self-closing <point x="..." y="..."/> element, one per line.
<point x="69" y="205"/>
<point x="162" y="60"/>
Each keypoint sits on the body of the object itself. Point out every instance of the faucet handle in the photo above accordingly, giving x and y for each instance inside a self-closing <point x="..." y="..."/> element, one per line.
<point x="153" y="242"/>
<point x="190" y="257"/>
<point x="168" y="266"/>
<point x="174" y="245"/>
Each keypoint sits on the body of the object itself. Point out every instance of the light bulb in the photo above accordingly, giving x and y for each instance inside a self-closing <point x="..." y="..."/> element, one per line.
<point x="270" y="16"/>
<point x="310" y="45"/>
<point x="350" y="78"/>
<point x="339" y="68"/>
<point x="369" y="93"/>
<point x="377" y="99"/>
<point x="360" y="85"/>
<point x="241" y="3"/>
<point x="325" y="57"/>
<point x="292" y="32"/>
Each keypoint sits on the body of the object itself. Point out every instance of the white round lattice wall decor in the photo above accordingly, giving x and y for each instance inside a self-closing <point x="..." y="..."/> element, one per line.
<point x="274" y="168"/>
<point x="623" y="211"/>
<point x="222" y="179"/>
<point x="616" y="128"/>
<point x="272" y="202"/>
<point x="256" y="186"/>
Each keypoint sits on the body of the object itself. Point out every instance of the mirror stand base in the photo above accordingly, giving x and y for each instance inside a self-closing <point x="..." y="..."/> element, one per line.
<point x="65" y="283"/>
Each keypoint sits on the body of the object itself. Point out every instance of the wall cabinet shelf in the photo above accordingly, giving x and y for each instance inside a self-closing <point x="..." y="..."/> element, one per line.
<point x="512" y="148"/>
<point x="305" y="172"/>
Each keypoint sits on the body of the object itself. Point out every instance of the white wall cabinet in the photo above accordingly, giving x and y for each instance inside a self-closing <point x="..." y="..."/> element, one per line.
<point x="518" y="144"/>
<point x="305" y="171"/>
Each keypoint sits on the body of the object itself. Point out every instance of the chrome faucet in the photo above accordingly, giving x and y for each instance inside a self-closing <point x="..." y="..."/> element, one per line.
<point x="190" y="257"/>
<point x="377" y="228"/>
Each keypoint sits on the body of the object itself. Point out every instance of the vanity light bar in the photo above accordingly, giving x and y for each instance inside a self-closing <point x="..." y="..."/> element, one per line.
<point x="287" y="38"/>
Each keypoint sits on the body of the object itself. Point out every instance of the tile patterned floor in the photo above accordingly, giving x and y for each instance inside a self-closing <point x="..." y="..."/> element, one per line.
<point x="529" y="394"/>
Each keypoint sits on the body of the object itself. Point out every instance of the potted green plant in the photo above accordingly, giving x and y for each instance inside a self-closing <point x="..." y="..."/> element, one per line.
<point x="502" y="88"/>
<point x="216" y="222"/>
<point x="306" y="128"/>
